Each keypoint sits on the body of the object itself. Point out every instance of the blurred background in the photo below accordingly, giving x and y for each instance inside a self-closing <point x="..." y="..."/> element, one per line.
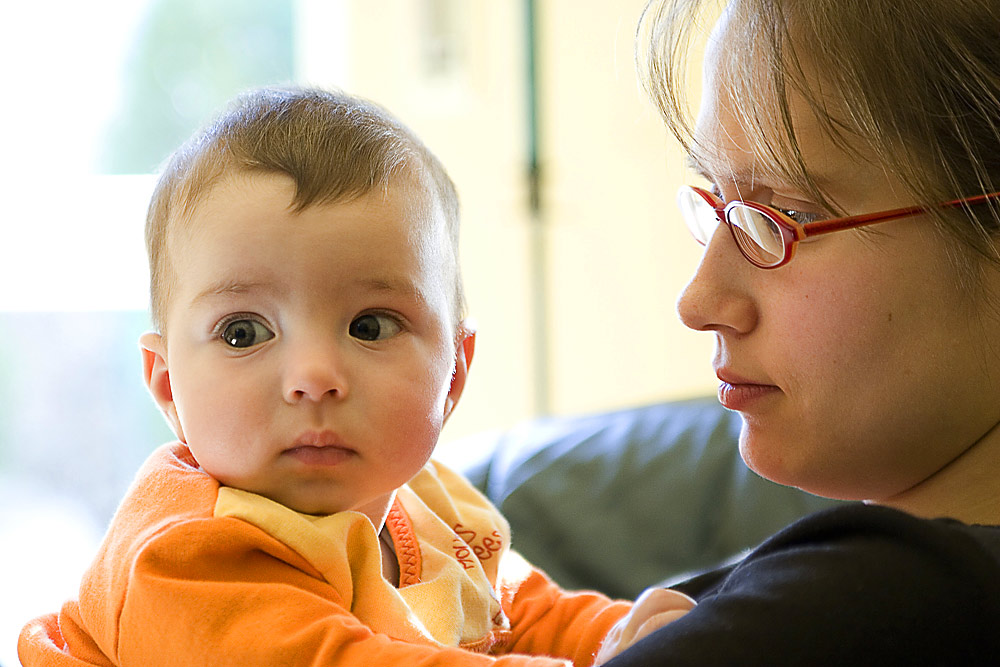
<point x="572" y="252"/>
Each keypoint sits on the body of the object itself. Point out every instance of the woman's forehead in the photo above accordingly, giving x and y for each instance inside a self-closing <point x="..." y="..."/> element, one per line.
<point x="736" y="144"/>
<point x="757" y="124"/>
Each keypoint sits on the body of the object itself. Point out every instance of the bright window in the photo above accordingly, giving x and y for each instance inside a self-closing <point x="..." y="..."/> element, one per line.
<point x="96" y="96"/>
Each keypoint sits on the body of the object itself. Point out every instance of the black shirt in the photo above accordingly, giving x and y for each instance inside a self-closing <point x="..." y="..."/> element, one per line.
<point x="855" y="585"/>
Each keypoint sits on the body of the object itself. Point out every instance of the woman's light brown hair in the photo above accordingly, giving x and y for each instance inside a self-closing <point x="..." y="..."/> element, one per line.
<point x="914" y="86"/>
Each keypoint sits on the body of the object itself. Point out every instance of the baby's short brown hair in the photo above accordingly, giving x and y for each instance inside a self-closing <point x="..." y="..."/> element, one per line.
<point x="334" y="146"/>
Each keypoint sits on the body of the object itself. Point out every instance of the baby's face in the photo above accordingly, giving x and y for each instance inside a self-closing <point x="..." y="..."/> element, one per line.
<point x="310" y="354"/>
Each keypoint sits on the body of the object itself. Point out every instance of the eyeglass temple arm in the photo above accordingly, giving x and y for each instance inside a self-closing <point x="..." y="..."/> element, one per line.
<point x="837" y="224"/>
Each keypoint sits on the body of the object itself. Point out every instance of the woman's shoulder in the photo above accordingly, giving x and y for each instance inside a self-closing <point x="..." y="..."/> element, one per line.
<point x="873" y="531"/>
<point x="851" y="582"/>
<point x="863" y="526"/>
<point x="856" y="539"/>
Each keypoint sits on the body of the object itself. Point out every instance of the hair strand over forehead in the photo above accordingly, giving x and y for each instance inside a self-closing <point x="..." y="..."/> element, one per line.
<point x="335" y="147"/>
<point x="915" y="87"/>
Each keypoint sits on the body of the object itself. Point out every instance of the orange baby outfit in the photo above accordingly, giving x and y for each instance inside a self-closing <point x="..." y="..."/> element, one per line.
<point x="192" y="573"/>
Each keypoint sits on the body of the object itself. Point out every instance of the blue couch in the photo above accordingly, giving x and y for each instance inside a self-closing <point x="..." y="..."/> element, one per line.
<point x="621" y="501"/>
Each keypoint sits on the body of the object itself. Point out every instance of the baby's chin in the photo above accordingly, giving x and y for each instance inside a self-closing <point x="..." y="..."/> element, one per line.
<point x="324" y="502"/>
<point x="316" y="492"/>
<point x="311" y="502"/>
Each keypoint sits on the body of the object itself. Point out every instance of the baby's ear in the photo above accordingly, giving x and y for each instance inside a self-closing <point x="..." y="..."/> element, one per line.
<point x="157" y="375"/>
<point x="465" y="347"/>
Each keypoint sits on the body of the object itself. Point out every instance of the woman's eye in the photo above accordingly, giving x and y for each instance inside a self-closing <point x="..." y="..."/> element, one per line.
<point x="245" y="333"/>
<point x="374" y="327"/>
<point x="799" y="216"/>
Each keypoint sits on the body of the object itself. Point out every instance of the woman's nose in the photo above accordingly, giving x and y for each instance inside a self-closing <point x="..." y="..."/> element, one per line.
<point x="718" y="296"/>
<point x="315" y="371"/>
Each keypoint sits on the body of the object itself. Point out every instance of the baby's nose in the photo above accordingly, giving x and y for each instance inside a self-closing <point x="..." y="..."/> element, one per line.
<point x="314" y="373"/>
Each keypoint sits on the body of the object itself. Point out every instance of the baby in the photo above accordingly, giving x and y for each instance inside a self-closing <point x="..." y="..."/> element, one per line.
<point x="309" y="347"/>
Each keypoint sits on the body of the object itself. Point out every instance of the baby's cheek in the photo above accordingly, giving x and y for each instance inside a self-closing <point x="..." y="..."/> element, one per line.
<point x="216" y="428"/>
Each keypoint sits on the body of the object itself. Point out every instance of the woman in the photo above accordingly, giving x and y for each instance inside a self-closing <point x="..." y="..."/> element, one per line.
<point x="862" y="353"/>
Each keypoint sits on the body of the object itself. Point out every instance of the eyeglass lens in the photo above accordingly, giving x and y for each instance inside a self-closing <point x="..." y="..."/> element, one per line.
<point x="698" y="214"/>
<point x="757" y="235"/>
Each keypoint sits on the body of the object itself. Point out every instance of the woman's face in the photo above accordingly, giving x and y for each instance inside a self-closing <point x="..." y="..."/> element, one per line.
<point x="861" y="369"/>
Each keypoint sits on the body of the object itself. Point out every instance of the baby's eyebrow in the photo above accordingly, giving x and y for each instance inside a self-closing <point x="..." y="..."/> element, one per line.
<point x="389" y="284"/>
<point x="230" y="287"/>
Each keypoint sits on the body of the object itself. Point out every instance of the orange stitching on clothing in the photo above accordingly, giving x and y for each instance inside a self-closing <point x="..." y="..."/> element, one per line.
<point x="492" y="642"/>
<point x="504" y="639"/>
<point x="405" y="544"/>
<point x="481" y="646"/>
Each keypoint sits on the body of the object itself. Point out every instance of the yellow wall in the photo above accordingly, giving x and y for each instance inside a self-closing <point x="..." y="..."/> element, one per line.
<point x="616" y="252"/>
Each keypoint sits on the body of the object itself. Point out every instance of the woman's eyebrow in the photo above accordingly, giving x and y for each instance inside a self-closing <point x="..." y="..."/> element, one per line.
<point x="712" y="175"/>
<point x="750" y="176"/>
<point x="696" y="165"/>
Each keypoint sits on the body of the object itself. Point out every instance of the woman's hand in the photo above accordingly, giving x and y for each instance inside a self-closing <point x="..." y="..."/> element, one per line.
<point x="653" y="609"/>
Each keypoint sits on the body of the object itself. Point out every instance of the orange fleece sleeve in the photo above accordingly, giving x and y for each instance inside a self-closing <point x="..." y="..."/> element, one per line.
<point x="547" y="620"/>
<point x="221" y="592"/>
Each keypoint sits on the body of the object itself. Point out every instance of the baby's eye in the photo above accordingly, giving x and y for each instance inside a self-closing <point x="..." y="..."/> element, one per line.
<point x="373" y="326"/>
<point x="244" y="333"/>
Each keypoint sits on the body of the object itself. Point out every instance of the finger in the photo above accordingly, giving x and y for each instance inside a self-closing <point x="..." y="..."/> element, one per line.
<point x="655" y="623"/>
<point x="615" y="644"/>
<point x="652" y="602"/>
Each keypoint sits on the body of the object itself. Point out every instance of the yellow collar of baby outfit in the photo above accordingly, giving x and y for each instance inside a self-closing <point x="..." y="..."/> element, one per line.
<point x="449" y="541"/>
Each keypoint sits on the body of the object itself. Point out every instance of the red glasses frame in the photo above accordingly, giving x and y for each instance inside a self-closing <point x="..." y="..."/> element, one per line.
<point x="793" y="231"/>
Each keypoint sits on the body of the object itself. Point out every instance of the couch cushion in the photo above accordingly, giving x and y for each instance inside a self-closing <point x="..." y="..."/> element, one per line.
<point x="620" y="501"/>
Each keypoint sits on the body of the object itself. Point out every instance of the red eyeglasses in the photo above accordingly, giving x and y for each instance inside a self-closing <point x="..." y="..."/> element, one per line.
<point x="766" y="236"/>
